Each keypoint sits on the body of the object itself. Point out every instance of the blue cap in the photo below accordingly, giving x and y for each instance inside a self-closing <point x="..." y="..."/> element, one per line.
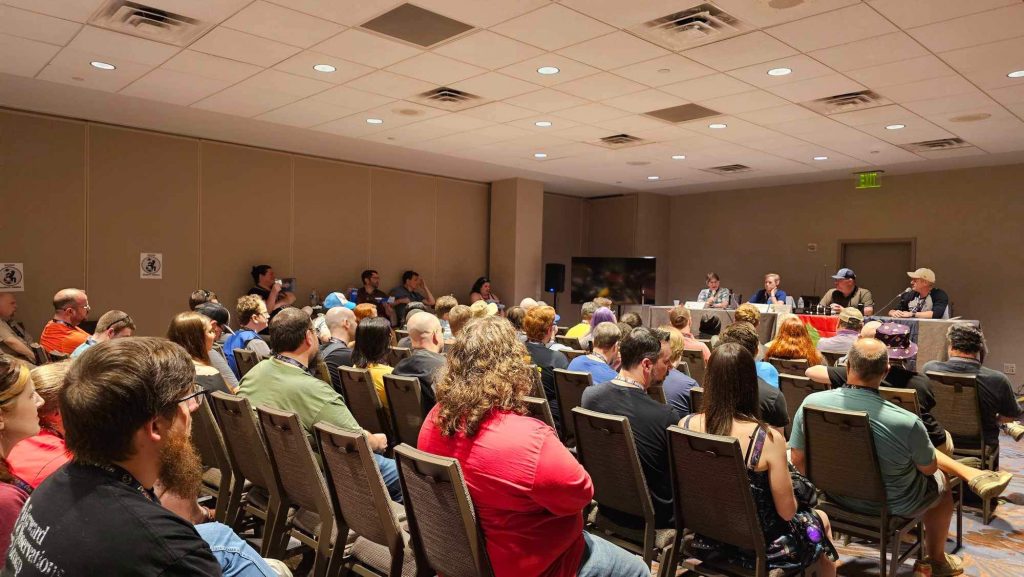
<point x="844" y="273"/>
<point x="337" y="299"/>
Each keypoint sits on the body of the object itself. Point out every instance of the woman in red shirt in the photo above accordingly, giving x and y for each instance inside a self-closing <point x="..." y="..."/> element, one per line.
<point x="18" y="421"/>
<point x="36" y="457"/>
<point x="528" y="490"/>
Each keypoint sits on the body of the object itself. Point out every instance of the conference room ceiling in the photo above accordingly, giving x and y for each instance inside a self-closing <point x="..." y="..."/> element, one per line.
<point x="807" y="90"/>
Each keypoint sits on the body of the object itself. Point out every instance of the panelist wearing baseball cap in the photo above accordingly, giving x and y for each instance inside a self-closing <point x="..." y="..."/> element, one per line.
<point x="848" y="294"/>
<point x="924" y="301"/>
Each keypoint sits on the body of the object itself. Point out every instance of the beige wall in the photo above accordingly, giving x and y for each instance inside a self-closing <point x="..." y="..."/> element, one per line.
<point x="81" y="200"/>
<point x="516" y="228"/>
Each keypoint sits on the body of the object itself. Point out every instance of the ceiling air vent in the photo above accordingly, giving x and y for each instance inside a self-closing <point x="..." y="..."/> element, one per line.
<point x="449" y="99"/>
<point x="417" y="26"/>
<point x="848" y="102"/>
<point x="682" y="113"/>
<point x="729" y="169"/>
<point x="620" y="141"/>
<point x="695" y="26"/>
<point x="148" y="22"/>
<point x="940" y="144"/>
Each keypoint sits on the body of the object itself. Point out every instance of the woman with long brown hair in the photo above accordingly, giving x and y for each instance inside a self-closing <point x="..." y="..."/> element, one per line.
<point x="19" y="420"/>
<point x="528" y="489"/>
<point x="793" y="342"/>
<point x="196" y="334"/>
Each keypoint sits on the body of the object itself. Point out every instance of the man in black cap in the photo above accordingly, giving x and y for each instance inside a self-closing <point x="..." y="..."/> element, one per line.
<point x="848" y="294"/>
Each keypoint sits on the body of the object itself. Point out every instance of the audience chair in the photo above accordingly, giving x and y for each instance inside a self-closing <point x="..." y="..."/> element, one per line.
<point x="40" y="353"/>
<point x="684" y="367"/>
<point x="256" y="490"/>
<point x="697" y="400"/>
<point x="570" y="342"/>
<point x="537" y="390"/>
<point x="443" y="526"/>
<point x="573" y="354"/>
<point x="606" y="449"/>
<point x="695" y="363"/>
<point x="406" y="407"/>
<point x="217" y="474"/>
<point x="539" y="409"/>
<point x="561" y="331"/>
<point x="789" y="366"/>
<point x="245" y="360"/>
<point x="569" y="387"/>
<point x="303" y="484"/>
<point x="796" y="388"/>
<point x="401" y="334"/>
<point x="396" y="354"/>
<point x="362" y="505"/>
<point x="361" y="398"/>
<point x="712" y="498"/>
<point x="841" y="461"/>
<point x="832" y="358"/>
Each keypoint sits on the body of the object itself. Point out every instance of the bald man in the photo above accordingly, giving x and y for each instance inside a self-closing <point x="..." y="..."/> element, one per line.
<point x="61" y="334"/>
<point x="341" y="322"/>
<point x="426" y="339"/>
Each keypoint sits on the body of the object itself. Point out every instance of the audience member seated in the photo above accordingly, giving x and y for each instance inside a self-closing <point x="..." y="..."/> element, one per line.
<point x="540" y="329"/>
<point x="373" y="345"/>
<point x="677" y="384"/>
<point x="269" y="288"/>
<point x="412" y="289"/>
<point x="528" y="303"/>
<point x="195" y="333"/>
<point x="286" y="383"/>
<point x="18" y="405"/>
<point x="201" y="296"/>
<point x="147" y="383"/>
<point x="482" y="309"/>
<point x="14" y="339"/>
<point x="442" y="308"/>
<point x="61" y="334"/>
<point x="679" y="318"/>
<point x="906" y="458"/>
<point x="515" y="315"/>
<point x="645" y="355"/>
<point x="605" y="354"/>
<point x="603" y="302"/>
<point x="111" y="325"/>
<point x="528" y="490"/>
<point x="924" y="301"/>
<point x="333" y="300"/>
<point x="221" y="319"/>
<point x="583" y="327"/>
<point x="715" y="296"/>
<point x="731" y="400"/>
<point x="341" y="322"/>
<point x="773" y="404"/>
<point x="771" y="293"/>
<point x="365" y="311"/>
<point x="851" y="321"/>
<point x="371" y="294"/>
<point x="252" y="319"/>
<point x="743" y="333"/>
<point x="426" y="358"/>
<point x="481" y="291"/>
<point x="601" y="315"/>
<point x="792" y="342"/>
<point x="35" y="458"/>
<point x="458" y="317"/>
<point x="632" y="319"/>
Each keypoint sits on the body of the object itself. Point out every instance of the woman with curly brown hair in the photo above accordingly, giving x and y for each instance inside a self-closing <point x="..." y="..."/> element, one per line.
<point x="528" y="489"/>
<point x="793" y="342"/>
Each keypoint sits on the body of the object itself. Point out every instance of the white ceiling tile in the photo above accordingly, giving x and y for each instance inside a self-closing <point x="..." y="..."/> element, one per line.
<point x="389" y="84"/>
<point x="306" y="113"/>
<point x="546" y="100"/>
<point x="121" y="47"/>
<point x="499" y="112"/>
<point x="74" y="10"/>
<point x="392" y="114"/>
<point x="833" y="28"/>
<point x="500" y="132"/>
<point x="601" y="86"/>
<point x="456" y="122"/>
<point x="552" y="27"/>
<point x="243" y="47"/>
<point x="999" y="24"/>
<point x="529" y="123"/>
<point x="918" y="130"/>
<point x="815" y="88"/>
<point x="245" y="101"/>
<point x="174" y="87"/>
<point x="569" y="70"/>
<point x="988" y="64"/>
<point x="278" y="23"/>
<point x="35" y="26"/>
<point x="645" y="101"/>
<point x="1008" y="95"/>
<point x="494" y="85"/>
<point x="891" y="114"/>
<point x="870" y="52"/>
<point x="773" y="12"/>
<point x="947" y="104"/>
<point x="743" y="102"/>
<point x="777" y="114"/>
<point x="664" y="70"/>
<point x="365" y="48"/>
<point x="351" y="98"/>
<point x="739" y="51"/>
<point x="624" y="14"/>
<point x="23" y="57"/>
<point x="913" y="70"/>
<point x="803" y="126"/>
<point x="302" y="64"/>
<point x="208" y="66"/>
<point x="408" y="134"/>
<point x="803" y="67"/>
<point x="482" y="13"/>
<point x="583" y="133"/>
<point x="913" y="13"/>
<point x="614" y="51"/>
<point x="592" y="112"/>
<point x="277" y="81"/>
<point x="436" y="69"/>
<point x="927" y="89"/>
<point x="631" y="124"/>
<point x="72" y="67"/>
<point x="488" y="50"/>
<point x="351" y="12"/>
<point x="707" y="87"/>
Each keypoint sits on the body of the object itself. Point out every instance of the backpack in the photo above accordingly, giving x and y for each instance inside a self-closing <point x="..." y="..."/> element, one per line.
<point x="239" y="340"/>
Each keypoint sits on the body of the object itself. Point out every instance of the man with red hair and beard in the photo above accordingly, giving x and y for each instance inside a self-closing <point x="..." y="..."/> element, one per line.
<point x="127" y="410"/>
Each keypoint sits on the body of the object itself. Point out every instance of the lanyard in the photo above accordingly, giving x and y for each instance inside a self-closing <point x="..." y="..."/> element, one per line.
<point x="65" y="323"/>
<point x="129" y="479"/>
<point x="631" y="383"/>
<point x="293" y="363"/>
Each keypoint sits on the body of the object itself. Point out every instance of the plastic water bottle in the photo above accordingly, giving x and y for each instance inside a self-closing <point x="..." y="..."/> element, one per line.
<point x="352" y="294"/>
<point x="314" y="298"/>
<point x="800" y="304"/>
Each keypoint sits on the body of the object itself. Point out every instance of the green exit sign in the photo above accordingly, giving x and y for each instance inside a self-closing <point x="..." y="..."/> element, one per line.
<point x="869" y="180"/>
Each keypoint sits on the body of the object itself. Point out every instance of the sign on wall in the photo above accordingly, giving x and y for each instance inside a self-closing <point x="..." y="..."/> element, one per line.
<point x="12" y="277"/>
<point x="151" y="265"/>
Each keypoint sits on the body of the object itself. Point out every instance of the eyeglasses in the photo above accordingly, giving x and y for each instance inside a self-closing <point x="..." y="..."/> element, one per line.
<point x="127" y="318"/>
<point x="198" y="393"/>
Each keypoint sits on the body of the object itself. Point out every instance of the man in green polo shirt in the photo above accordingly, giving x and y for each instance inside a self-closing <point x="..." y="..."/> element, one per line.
<point x="285" y="382"/>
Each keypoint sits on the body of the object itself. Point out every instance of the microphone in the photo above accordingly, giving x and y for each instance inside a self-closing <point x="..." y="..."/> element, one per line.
<point x="903" y="292"/>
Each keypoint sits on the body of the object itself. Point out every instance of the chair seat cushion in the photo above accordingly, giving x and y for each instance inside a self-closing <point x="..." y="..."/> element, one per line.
<point x="662" y="537"/>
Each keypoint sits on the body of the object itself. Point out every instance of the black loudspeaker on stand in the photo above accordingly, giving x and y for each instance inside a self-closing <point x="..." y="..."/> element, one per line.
<point x="554" y="280"/>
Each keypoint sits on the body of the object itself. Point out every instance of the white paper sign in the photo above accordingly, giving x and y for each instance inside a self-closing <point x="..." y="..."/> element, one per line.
<point x="151" y="265"/>
<point x="12" y="277"/>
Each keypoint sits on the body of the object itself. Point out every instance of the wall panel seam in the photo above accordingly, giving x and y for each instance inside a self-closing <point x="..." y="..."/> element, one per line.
<point x="199" y="213"/>
<point x="291" y="216"/>
<point x="85" y="217"/>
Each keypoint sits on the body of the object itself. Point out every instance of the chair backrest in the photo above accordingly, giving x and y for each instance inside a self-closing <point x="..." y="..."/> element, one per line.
<point x="695" y="361"/>
<point x="243" y="440"/>
<point x="573" y="354"/>
<point x="442" y="521"/>
<point x="245" y="360"/>
<point x="571" y="342"/>
<point x="361" y="398"/>
<point x="537" y="390"/>
<point x="789" y="366"/>
<point x="712" y="491"/>
<point x="540" y="410"/>
<point x="396" y="354"/>
<point x="956" y="404"/>
<point x="684" y="367"/>
<point x="831" y="358"/>
<point x="406" y="407"/>
<point x="401" y="333"/>
<point x="697" y="400"/>
<point x="354" y="483"/>
<point x="607" y="450"/>
<point x="561" y="331"/>
<point x="903" y="398"/>
<point x="569" y="387"/>
<point x="840" y="454"/>
<point x="40" y="353"/>
<point x="796" y="388"/>
<point x="657" y="392"/>
<point x="210" y="442"/>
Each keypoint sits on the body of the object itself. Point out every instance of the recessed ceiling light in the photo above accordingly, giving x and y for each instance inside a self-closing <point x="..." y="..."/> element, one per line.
<point x="717" y="125"/>
<point x="820" y="158"/>
<point x="324" y="68"/>
<point x="543" y="123"/>
<point x="653" y="177"/>
<point x="895" y="126"/>
<point x="547" y="70"/>
<point x="678" y="157"/>
<point x="539" y="155"/>
<point x="1016" y="74"/>
<point x="374" y="121"/>
<point x="780" y="71"/>
<point x="102" y="65"/>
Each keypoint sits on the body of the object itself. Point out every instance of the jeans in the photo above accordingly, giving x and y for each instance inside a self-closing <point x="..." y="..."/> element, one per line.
<point x="236" y="557"/>
<point x="389" y="470"/>
<point x="603" y="559"/>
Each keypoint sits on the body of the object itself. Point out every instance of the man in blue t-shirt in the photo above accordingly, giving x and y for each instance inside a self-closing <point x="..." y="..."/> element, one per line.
<point x="606" y="350"/>
<point x="771" y="293"/>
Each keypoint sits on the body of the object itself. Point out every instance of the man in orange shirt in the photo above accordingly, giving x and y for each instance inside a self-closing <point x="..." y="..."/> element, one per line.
<point x="61" y="334"/>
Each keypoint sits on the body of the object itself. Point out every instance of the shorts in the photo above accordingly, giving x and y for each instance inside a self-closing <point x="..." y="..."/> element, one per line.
<point x="938" y="486"/>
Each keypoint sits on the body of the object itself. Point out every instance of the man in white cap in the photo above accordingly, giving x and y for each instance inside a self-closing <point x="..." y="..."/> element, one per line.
<point x="924" y="301"/>
<point x="848" y="294"/>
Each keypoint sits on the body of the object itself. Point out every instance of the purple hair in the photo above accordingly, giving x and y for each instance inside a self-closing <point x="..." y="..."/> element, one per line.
<point x="602" y="315"/>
